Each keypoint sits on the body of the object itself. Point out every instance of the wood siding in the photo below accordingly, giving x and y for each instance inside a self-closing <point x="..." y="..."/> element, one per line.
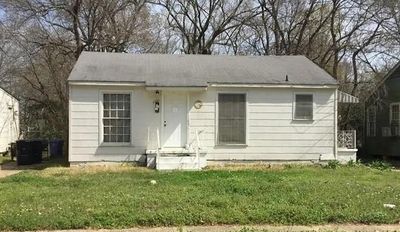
<point x="271" y="132"/>
<point x="9" y="120"/>
<point x="85" y="125"/>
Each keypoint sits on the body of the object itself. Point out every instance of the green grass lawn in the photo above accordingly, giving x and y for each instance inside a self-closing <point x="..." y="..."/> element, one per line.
<point x="68" y="199"/>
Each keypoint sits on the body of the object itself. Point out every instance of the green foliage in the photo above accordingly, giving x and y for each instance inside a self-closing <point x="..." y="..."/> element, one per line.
<point x="333" y="164"/>
<point x="353" y="163"/>
<point x="65" y="199"/>
<point x="380" y="165"/>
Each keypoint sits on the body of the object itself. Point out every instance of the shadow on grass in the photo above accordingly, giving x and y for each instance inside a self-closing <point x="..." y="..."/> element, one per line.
<point x="8" y="164"/>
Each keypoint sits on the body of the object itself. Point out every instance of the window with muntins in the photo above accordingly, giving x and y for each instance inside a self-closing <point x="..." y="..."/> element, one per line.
<point x="116" y="118"/>
<point x="395" y="118"/>
<point x="395" y="114"/>
<point x="303" y="109"/>
<point x="371" y="121"/>
<point x="231" y="118"/>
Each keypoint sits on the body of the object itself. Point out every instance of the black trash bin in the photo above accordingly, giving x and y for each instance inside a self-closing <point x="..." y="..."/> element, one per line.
<point x="29" y="152"/>
<point x="56" y="148"/>
<point x="37" y="149"/>
<point x="24" y="151"/>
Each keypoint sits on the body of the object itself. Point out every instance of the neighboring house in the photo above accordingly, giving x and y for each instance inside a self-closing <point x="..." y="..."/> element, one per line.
<point x="382" y="117"/>
<point x="127" y="107"/>
<point x="9" y="120"/>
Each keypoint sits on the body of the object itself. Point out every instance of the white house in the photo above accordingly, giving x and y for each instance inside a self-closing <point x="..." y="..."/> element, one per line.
<point x="9" y="120"/>
<point x="197" y="109"/>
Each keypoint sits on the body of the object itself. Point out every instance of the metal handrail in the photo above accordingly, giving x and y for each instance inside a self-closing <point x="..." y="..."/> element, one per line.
<point x="197" y="148"/>
<point x="158" y="148"/>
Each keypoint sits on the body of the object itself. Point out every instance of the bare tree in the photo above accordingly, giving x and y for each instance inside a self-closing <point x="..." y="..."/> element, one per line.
<point x="204" y="23"/>
<point x="51" y="36"/>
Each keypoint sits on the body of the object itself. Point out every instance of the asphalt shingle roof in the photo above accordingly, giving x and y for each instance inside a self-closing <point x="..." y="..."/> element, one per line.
<point x="197" y="70"/>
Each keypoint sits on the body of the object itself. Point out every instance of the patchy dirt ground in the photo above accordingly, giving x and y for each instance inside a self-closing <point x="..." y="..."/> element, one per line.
<point x="257" y="228"/>
<point x="4" y="173"/>
<point x="8" y="169"/>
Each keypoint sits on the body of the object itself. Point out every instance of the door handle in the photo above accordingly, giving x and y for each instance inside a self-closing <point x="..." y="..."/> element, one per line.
<point x="165" y="123"/>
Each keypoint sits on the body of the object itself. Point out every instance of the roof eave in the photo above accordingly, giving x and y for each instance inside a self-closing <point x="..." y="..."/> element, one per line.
<point x="215" y="84"/>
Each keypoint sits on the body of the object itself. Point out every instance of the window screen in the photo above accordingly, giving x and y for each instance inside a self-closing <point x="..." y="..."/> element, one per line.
<point x="117" y="118"/>
<point x="304" y="107"/>
<point x="231" y="118"/>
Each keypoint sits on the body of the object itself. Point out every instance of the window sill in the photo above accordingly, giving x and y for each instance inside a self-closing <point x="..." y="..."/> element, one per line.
<point x="303" y="120"/>
<point x="231" y="145"/>
<point x="116" y="145"/>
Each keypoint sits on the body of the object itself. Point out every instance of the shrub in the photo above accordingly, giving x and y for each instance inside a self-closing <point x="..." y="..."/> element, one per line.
<point x="353" y="163"/>
<point x="380" y="165"/>
<point x="333" y="164"/>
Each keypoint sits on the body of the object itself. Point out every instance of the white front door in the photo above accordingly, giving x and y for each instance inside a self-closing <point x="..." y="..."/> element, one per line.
<point x="174" y="119"/>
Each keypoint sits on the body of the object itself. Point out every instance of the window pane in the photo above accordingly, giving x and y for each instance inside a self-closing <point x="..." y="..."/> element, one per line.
<point x="106" y="105"/>
<point x="127" y="97"/>
<point x="120" y="105"/>
<point x="106" y="130"/>
<point x="113" y="105"/>
<point x="127" y="105"/>
<point x="232" y="118"/>
<point x="304" y="106"/>
<point x="127" y="113"/>
<point x="106" y="113"/>
<point x="116" y="118"/>
<point x="120" y="97"/>
<point x="106" y="97"/>
<point x="106" y="122"/>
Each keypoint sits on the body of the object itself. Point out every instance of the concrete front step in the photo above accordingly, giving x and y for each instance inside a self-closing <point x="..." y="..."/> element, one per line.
<point x="174" y="162"/>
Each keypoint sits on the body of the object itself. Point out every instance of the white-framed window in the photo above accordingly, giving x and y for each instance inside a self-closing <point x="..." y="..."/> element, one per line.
<point x="231" y="118"/>
<point x="116" y="118"/>
<point x="371" y="121"/>
<point x="303" y="106"/>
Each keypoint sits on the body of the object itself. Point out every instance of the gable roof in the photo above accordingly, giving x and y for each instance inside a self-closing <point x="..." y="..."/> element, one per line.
<point x="394" y="72"/>
<point x="9" y="93"/>
<point x="197" y="70"/>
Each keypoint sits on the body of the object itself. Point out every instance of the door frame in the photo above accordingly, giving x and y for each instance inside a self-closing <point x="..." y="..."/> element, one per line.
<point x="187" y="109"/>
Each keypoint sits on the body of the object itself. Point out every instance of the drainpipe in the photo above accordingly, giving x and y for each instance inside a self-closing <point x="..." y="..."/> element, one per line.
<point x="335" y="126"/>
